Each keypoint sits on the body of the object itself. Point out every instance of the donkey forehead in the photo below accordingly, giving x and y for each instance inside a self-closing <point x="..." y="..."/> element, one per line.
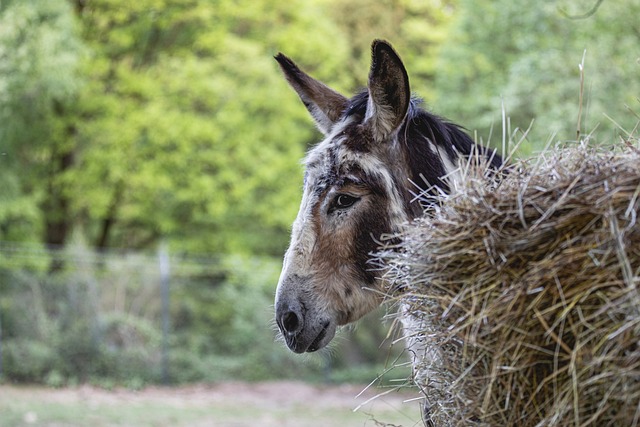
<point x="345" y="156"/>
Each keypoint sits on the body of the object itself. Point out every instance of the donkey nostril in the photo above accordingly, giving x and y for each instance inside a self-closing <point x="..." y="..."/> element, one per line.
<point x="291" y="322"/>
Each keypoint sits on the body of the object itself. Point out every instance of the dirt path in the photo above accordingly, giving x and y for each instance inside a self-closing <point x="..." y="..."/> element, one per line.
<point x="238" y="404"/>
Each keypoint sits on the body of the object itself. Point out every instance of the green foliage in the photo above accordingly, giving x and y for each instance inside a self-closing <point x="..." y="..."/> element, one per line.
<point x="40" y="53"/>
<point x="188" y="136"/>
<point x="235" y="324"/>
<point x="27" y="360"/>
<point x="39" y="59"/>
<point x="124" y="124"/>
<point x="170" y="119"/>
<point x="160" y="119"/>
<point x="527" y="56"/>
<point x="417" y="29"/>
<point x="99" y="321"/>
<point x="56" y="328"/>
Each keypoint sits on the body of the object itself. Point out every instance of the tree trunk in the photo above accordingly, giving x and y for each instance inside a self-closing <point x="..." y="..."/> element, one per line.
<point x="56" y="205"/>
<point x="111" y="216"/>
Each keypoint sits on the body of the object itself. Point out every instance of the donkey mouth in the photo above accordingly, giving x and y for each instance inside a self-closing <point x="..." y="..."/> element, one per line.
<point x="315" y="345"/>
<point x="299" y="343"/>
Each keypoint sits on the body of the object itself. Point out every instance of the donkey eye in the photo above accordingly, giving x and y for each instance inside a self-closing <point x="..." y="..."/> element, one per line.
<point x="343" y="201"/>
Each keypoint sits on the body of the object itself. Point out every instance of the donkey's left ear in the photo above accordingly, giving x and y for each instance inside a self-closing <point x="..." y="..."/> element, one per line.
<point x="389" y="93"/>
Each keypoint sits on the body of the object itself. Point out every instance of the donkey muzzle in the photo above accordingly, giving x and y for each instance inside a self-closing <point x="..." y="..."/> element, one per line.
<point x="302" y="331"/>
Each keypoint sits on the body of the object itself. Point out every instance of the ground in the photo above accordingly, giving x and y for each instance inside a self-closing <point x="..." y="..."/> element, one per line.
<point x="269" y="404"/>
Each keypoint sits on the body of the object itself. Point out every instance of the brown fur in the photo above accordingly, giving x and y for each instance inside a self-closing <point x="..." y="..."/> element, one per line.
<point x="357" y="189"/>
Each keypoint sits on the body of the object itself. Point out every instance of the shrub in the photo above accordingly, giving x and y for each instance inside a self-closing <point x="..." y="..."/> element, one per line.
<point x="28" y="360"/>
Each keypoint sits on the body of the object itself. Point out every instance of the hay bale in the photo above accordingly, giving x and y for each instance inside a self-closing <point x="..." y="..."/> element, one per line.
<point x="521" y="298"/>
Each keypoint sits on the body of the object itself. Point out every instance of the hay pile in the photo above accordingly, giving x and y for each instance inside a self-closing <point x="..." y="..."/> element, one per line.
<point x="521" y="299"/>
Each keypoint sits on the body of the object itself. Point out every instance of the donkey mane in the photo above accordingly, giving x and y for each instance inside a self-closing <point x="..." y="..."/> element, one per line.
<point x="428" y="141"/>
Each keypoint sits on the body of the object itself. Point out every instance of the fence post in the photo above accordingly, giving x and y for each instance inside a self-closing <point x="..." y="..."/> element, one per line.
<point x="163" y="258"/>
<point x="1" y="361"/>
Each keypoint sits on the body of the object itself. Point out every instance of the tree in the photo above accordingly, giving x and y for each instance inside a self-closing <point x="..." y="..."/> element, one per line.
<point x="39" y="82"/>
<point x="416" y="29"/>
<point x="528" y="56"/>
<point x="166" y="119"/>
<point x="189" y="132"/>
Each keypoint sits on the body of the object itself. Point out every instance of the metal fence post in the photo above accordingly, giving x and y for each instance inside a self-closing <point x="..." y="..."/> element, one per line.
<point x="163" y="257"/>
<point x="1" y="361"/>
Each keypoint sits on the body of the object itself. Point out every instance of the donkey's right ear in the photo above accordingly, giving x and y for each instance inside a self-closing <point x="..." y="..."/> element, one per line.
<point x="324" y="104"/>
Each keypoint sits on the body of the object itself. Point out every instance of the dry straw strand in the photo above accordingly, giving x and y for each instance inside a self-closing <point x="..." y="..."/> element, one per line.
<point x="521" y="295"/>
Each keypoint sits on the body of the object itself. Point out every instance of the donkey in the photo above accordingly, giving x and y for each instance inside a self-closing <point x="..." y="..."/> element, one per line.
<point x="359" y="184"/>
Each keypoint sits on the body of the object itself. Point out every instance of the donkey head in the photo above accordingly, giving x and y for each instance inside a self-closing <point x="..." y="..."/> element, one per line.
<point x="351" y="197"/>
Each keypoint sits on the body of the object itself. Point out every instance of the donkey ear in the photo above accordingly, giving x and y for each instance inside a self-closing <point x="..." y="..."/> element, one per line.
<point x="389" y="93"/>
<point x="324" y="104"/>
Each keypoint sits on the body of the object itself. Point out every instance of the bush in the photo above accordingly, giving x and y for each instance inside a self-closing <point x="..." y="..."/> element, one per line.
<point x="99" y="320"/>
<point x="27" y="360"/>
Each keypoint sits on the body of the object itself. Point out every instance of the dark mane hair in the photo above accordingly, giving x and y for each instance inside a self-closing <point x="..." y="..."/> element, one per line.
<point x="420" y="131"/>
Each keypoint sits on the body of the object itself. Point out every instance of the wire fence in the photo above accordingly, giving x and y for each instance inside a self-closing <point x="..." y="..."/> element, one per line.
<point x="40" y="257"/>
<point x="101" y="309"/>
<point x="75" y="314"/>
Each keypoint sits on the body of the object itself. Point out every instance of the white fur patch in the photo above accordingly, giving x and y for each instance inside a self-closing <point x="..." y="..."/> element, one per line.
<point x="381" y="119"/>
<point x="453" y="174"/>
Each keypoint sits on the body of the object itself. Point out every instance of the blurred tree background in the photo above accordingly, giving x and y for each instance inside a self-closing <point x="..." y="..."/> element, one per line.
<point x="124" y="125"/>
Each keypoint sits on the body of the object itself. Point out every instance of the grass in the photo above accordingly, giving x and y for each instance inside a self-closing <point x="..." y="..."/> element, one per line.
<point x="237" y="404"/>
